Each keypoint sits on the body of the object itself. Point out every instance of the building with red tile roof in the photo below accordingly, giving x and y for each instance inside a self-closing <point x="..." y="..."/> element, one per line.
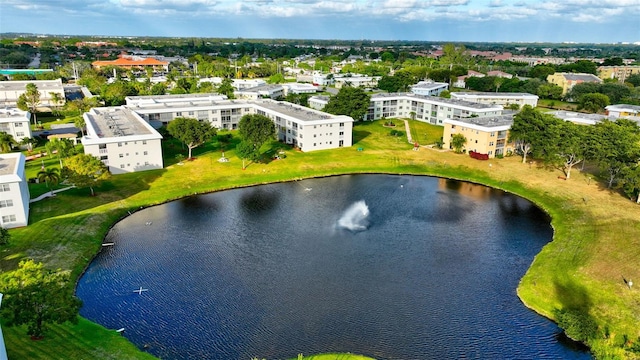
<point x="133" y="62"/>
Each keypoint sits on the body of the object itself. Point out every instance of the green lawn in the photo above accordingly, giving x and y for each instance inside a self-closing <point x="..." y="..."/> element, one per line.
<point x="596" y="240"/>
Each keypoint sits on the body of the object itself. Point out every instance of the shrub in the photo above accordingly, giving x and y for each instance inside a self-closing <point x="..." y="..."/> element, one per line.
<point x="577" y="325"/>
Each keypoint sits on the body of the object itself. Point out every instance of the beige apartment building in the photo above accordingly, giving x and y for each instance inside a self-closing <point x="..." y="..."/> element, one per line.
<point x="485" y="135"/>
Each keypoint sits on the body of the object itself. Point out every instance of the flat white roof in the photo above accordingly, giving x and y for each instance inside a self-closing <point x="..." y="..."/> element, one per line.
<point x="483" y="94"/>
<point x="624" y="107"/>
<point x="436" y="100"/>
<point x="43" y="85"/>
<point x="489" y="123"/>
<point x="11" y="167"/>
<point x="116" y="124"/>
<point x="13" y="114"/>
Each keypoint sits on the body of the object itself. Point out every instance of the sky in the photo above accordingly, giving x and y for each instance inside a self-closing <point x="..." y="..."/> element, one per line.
<point x="581" y="21"/>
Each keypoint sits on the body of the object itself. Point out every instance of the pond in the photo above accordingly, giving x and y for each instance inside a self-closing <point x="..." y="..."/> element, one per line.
<point x="393" y="267"/>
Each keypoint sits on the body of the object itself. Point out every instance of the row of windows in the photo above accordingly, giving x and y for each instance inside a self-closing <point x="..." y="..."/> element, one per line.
<point x="127" y="154"/>
<point x="144" y="142"/>
<point x="8" y="218"/>
<point x="5" y="187"/>
<point x="6" y="203"/>
<point x="122" y="166"/>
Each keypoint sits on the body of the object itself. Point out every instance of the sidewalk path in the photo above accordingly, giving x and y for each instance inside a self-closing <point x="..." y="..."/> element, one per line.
<point x="49" y="194"/>
<point x="408" y="130"/>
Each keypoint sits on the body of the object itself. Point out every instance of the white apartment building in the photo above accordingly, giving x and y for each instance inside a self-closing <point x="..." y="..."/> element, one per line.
<point x="429" y="88"/>
<point x="497" y="98"/>
<point x="318" y="102"/>
<point x="10" y="91"/>
<point x="14" y="191"/>
<point x="122" y="139"/>
<point x="429" y="109"/>
<point x="299" y="126"/>
<point x="268" y="91"/>
<point x="15" y="122"/>
<point x="623" y="110"/>
<point x="299" y="88"/>
<point x="356" y="80"/>
<point x="578" y="118"/>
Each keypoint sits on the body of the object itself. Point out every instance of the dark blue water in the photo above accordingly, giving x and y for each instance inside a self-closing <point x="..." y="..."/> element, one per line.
<point x="267" y="272"/>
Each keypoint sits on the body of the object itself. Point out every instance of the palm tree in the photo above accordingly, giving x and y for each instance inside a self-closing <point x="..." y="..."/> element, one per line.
<point x="6" y="142"/>
<point x="457" y="142"/>
<point x="50" y="176"/>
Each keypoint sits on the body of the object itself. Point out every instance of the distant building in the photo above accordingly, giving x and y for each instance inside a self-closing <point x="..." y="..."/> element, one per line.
<point x="623" y="110"/>
<point x="318" y="102"/>
<point x="133" y="62"/>
<point x="501" y="74"/>
<point x="621" y="73"/>
<point x="498" y="98"/>
<point x="487" y="135"/>
<point x="461" y="80"/>
<point x="10" y="91"/>
<point x="568" y="80"/>
<point x="16" y="123"/>
<point x="298" y="88"/>
<point x="268" y="91"/>
<point x="578" y="118"/>
<point x="429" y="88"/>
<point x="429" y="109"/>
<point x="14" y="191"/>
<point x="122" y="140"/>
<point x="356" y="80"/>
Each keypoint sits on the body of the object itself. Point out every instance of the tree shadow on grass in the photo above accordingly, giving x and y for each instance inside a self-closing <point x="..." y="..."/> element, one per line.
<point x="117" y="188"/>
<point x="574" y="315"/>
<point x="359" y="135"/>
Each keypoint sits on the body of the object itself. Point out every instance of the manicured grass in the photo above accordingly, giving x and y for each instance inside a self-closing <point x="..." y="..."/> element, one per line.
<point x="556" y="105"/>
<point x="596" y="240"/>
<point x="425" y="134"/>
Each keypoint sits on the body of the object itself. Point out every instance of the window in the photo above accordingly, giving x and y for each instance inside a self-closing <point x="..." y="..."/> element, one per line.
<point x="18" y="124"/>
<point x="145" y="153"/>
<point x="119" y="144"/>
<point x="5" y="187"/>
<point x="493" y="134"/>
<point x="179" y="113"/>
<point x="144" y="142"/>
<point x="102" y="146"/>
<point x="6" y="203"/>
<point x="341" y="133"/>
<point x="8" y="218"/>
<point x="121" y="155"/>
<point x="146" y="163"/>
<point x="491" y="143"/>
<point x="121" y="166"/>
<point x="19" y="134"/>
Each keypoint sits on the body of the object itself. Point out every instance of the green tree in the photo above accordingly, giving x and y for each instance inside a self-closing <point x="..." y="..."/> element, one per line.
<point x="114" y="94"/>
<point x="614" y="146"/>
<point x="5" y="236"/>
<point x="401" y="81"/>
<point x="630" y="182"/>
<point x="29" y="100"/>
<point x="84" y="170"/>
<point x="6" y="142"/>
<point x="245" y="150"/>
<point x="349" y="101"/>
<point x="50" y="176"/>
<point x="529" y="130"/>
<point x="541" y="71"/>
<point x="35" y="296"/>
<point x="256" y="129"/>
<point x="593" y="102"/>
<point x="226" y="88"/>
<point x="458" y="141"/>
<point x="569" y="147"/>
<point x="550" y="91"/>
<point x="276" y="79"/>
<point x="80" y="124"/>
<point x="191" y="132"/>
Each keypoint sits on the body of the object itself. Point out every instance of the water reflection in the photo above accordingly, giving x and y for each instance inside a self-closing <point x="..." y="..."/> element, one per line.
<point x="264" y="272"/>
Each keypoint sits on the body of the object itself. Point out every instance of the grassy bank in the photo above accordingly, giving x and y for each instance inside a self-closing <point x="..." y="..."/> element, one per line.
<point x="596" y="243"/>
